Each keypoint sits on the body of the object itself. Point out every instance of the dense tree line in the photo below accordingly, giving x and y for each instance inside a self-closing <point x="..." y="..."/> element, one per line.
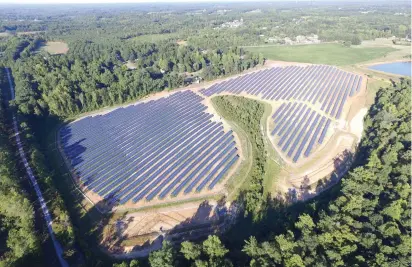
<point x="18" y="237"/>
<point x="86" y="80"/>
<point x="62" y="225"/>
<point x="247" y="114"/>
<point x="17" y="204"/>
<point x="200" y="23"/>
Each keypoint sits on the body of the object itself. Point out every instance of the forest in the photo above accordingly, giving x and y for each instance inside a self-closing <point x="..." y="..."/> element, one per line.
<point x="19" y="241"/>
<point x="247" y="114"/>
<point x="362" y="221"/>
<point x="85" y="80"/>
<point x="200" y="23"/>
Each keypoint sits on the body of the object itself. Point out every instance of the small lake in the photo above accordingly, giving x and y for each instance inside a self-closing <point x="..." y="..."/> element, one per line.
<point x="400" y="68"/>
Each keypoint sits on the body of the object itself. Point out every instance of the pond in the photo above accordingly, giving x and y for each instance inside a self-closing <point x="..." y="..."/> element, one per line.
<point x="400" y="68"/>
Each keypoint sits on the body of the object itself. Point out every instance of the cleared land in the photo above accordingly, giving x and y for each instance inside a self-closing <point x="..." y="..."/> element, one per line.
<point x="331" y="54"/>
<point x="55" y="48"/>
<point x="135" y="234"/>
<point x="129" y="232"/>
<point x="301" y="121"/>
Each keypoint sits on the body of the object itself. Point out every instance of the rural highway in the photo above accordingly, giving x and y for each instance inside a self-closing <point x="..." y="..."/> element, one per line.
<point x="46" y="214"/>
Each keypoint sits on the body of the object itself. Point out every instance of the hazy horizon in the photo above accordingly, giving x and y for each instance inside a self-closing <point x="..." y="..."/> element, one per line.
<point x="162" y="1"/>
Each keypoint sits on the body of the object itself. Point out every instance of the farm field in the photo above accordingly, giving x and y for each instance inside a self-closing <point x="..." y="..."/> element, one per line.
<point x="331" y="54"/>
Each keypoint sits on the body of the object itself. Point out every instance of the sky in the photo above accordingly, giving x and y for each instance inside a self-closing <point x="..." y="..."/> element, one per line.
<point x="109" y="1"/>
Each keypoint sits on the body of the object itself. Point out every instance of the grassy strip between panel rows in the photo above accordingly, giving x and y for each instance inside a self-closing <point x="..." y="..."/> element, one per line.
<point x="245" y="116"/>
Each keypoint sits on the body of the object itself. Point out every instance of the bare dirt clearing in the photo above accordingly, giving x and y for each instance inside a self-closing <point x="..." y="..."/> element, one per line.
<point x="131" y="65"/>
<point x="356" y="124"/>
<point x="181" y="42"/>
<point x="136" y="234"/>
<point x="55" y="48"/>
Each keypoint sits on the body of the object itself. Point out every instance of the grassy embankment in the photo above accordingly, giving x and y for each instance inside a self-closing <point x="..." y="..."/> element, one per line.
<point x="248" y="119"/>
<point x="331" y="54"/>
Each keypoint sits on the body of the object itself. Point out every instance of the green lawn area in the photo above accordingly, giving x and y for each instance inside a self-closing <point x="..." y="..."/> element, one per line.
<point x="331" y="54"/>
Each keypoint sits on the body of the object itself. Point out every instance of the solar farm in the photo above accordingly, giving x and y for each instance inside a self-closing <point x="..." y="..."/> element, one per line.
<point x="158" y="149"/>
<point x="175" y="147"/>
<point x="311" y="97"/>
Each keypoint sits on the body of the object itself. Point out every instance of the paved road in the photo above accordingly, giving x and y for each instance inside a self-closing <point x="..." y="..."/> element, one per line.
<point x="46" y="214"/>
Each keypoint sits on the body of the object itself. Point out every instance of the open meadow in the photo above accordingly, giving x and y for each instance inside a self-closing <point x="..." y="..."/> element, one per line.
<point x="331" y="54"/>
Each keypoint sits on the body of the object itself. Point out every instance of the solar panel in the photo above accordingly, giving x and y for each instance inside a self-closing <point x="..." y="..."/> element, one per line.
<point x="168" y="145"/>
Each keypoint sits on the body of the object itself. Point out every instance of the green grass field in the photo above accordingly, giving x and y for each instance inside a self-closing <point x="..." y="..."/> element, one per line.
<point x="331" y="54"/>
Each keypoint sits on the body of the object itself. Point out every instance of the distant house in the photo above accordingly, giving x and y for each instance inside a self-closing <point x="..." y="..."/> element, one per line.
<point x="232" y="24"/>
<point x="192" y="79"/>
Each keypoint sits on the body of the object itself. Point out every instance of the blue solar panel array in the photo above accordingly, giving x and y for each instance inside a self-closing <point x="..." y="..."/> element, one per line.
<point x="326" y="85"/>
<point x="154" y="149"/>
<point x="297" y="127"/>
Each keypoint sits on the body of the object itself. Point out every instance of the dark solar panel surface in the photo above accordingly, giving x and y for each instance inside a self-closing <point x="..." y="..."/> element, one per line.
<point x="154" y="149"/>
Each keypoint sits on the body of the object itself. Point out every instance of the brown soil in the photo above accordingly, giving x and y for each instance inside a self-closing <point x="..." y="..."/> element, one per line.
<point x="56" y="48"/>
<point x="144" y="230"/>
<point x="181" y="42"/>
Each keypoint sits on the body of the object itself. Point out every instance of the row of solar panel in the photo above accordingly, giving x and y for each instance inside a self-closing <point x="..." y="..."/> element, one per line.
<point x="124" y="145"/>
<point x="111" y="154"/>
<point x="128" y="116"/>
<point x="171" y="145"/>
<point x="129" y="144"/>
<point x="143" y="160"/>
<point x="151" y="164"/>
<point x="101" y="122"/>
<point x="327" y="84"/>
<point x="294" y="125"/>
